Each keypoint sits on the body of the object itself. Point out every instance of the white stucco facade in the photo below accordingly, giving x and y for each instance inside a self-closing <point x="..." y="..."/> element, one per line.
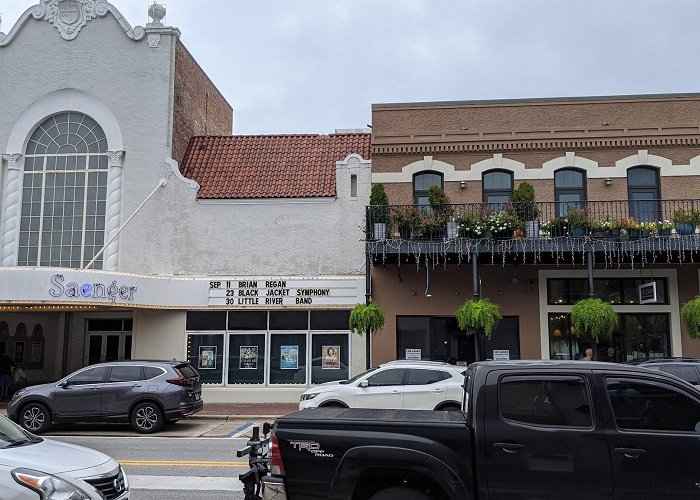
<point x="170" y="252"/>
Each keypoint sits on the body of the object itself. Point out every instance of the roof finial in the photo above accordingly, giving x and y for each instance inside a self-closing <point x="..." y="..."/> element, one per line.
<point x="156" y="12"/>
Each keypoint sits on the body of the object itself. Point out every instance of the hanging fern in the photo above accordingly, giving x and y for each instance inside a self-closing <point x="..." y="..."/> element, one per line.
<point x="594" y="317"/>
<point x="478" y="314"/>
<point x="365" y="316"/>
<point x="690" y="312"/>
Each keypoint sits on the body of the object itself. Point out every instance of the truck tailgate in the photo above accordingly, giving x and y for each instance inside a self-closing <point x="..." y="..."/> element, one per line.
<point x="318" y="445"/>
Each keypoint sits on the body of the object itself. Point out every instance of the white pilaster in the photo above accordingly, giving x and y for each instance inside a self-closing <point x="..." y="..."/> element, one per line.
<point x="11" y="209"/>
<point x="110" y="257"/>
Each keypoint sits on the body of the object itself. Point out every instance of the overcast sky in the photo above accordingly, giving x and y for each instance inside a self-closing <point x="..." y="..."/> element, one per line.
<point x="313" y="66"/>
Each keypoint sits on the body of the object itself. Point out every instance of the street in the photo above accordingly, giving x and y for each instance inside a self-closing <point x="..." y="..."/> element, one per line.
<point x="194" y="458"/>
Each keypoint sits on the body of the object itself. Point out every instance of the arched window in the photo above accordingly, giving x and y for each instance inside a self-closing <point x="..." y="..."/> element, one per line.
<point x="643" y="193"/>
<point x="65" y="193"/>
<point x="569" y="189"/>
<point x="497" y="186"/>
<point x="421" y="184"/>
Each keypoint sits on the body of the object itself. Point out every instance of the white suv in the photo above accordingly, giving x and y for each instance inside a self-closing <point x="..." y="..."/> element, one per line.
<point x="402" y="384"/>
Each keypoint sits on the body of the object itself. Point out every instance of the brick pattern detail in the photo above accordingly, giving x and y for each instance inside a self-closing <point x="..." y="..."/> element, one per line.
<point x="199" y="107"/>
<point x="272" y="166"/>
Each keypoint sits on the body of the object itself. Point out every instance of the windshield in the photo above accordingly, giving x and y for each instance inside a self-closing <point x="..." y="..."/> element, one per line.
<point x="12" y="434"/>
<point x="358" y="377"/>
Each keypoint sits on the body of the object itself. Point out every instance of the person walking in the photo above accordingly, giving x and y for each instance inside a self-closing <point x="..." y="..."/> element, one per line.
<point x="589" y="355"/>
<point x="5" y="375"/>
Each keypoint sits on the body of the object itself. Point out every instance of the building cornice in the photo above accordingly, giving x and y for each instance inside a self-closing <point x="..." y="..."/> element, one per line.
<point x="463" y="141"/>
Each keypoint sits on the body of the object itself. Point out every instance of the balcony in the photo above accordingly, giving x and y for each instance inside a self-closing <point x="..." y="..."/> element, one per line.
<point x="616" y="232"/>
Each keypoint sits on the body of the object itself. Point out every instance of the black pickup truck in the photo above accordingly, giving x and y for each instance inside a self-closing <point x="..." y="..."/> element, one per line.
<point x="530" y="430"/>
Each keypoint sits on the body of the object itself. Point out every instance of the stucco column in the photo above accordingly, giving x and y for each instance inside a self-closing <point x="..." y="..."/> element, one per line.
<point x="114" y="209"/>
<point x="11" y="209"/>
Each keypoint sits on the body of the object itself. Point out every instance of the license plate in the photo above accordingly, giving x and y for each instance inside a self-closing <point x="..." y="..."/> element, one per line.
<point x="197" y="396"/>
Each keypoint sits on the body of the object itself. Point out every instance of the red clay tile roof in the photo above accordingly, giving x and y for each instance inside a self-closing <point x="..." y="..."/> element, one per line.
<point x="269" y="166"/>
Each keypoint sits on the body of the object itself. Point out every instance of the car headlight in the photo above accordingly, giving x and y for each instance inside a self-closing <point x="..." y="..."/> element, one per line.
<point x="18" y="394"/>
<point x="305" y="397"/>
<point x="48" y="486"/>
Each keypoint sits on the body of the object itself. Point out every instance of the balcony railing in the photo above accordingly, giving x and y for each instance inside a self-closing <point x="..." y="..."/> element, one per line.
<point x="621" y="220"/>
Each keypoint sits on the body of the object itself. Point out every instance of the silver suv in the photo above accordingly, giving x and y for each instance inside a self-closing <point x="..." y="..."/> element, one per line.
<point x="145" y="393"/>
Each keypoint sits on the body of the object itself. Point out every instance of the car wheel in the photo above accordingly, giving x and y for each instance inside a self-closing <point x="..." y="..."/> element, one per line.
<point x="400" y="493"/>
<point x="333" y="405"/>
<point x="35" y="418"/>
<point x="147" y="418"/>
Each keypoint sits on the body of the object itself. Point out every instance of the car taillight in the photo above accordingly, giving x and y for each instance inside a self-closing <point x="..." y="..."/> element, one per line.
<point x="181" y="380"/>
<point x="276" y="465"/>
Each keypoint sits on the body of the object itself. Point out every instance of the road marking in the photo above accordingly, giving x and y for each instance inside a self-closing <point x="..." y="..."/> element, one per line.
<point x="181" y="463"/>
<point x="241" y="429"/>
<point x="137" y="482"/>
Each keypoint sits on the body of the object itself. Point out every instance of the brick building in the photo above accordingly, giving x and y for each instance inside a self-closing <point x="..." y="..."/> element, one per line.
<point x="622" y="163"/>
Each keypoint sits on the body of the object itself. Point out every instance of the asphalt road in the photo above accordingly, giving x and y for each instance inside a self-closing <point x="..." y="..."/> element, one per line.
<point x="161" y="468"/>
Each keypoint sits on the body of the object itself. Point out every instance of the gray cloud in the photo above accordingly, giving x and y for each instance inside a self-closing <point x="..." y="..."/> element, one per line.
<point x="316" y="65"/>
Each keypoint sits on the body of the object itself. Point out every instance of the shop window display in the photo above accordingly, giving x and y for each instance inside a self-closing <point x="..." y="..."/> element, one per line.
<point x="288" y="358"/>
<point x="329" y="358"/>
<point x="246" y="359"/>
<point x="206" y="353"/>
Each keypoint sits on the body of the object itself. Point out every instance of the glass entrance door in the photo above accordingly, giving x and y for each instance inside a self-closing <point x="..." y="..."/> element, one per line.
<point x="108" y="340"/>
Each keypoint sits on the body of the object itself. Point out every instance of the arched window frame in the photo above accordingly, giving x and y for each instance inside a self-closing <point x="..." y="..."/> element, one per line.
<point x="644" y="199"/>
<point x="488" y="193"/>
<point x="568" y="193"/>
<point x="64" y="195"/>
<point x="420" y="196"/>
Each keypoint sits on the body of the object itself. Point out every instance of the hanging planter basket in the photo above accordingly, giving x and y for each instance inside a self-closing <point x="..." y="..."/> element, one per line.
<point x="690" y="313"/>
<point x="366" y="316"/>
<point x="477" y="315"/>
<point x="595" y="318"/>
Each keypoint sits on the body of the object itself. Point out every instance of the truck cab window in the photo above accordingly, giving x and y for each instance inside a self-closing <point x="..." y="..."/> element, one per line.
<point x="387" y="377"/>
<point x="652" y="406"/>
<point x="555" y="401"/>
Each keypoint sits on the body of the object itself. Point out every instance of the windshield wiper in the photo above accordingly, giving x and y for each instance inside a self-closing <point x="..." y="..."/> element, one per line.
<point x="20" y="443"/>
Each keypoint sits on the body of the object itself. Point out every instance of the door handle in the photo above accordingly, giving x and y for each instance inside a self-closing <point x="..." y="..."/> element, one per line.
<point x="509" y="447"/>
<point x="437" y="390"/>
<point x="136" y="385"/>
<point x="396" y="392"/>
<point x="630" y="452"/>
<point x="95" y="389"/>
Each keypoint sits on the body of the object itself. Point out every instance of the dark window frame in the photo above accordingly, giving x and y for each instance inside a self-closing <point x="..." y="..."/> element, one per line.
<point x="486" y="192"/>
<point x="582" y="191"/>
<point x="423" y="193"/>
<point x="644" y="188"/>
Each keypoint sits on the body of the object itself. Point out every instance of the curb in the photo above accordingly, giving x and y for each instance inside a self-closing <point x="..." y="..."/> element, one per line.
<point x="232" y="417"/>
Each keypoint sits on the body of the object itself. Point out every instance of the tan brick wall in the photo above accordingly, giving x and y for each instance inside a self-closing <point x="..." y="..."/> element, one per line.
<point x="199" y="107"/>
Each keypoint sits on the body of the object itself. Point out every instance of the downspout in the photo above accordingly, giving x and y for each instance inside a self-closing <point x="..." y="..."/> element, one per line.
<point x="476" y="295"/>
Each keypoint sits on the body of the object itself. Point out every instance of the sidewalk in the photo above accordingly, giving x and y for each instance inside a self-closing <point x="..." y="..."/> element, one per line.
<point x="230" y="411"/>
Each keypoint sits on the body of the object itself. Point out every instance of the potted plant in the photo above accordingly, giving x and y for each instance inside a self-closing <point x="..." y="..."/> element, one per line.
<point x="523" y="199"/>
<point x="663" y="227"/>
<point x="594" y="318"/>
<point x="579" y="222"/>
<point x="378" y="211"/>
<point x="684" y="221"/>
<point x="598" y="229"/>
<point x="470" y="225"/>
<point x="405" y="219"/>
<point x="442" y="207"/>
<point x="431" y="226"/>
<point x="476" y="316"/>
<point x="612" y="227"/>
<point x="690" y="313"/>
<point x="365" y="317"/>
<point x="502" y="224"/>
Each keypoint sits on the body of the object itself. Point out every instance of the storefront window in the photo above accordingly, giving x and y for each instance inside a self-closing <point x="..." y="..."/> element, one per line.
<point x="206" y="353"/>
<point x="611" y="290"/>
<point x="288" y="358"/>
<point x="246" y="359"/>
<point x="289" y="320"/>
<point x="638" y="336"/>
<point x="247" y="320"/>
<point x="329" y="358"/>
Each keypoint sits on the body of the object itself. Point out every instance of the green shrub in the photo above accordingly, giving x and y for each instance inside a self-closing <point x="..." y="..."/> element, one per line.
<point x="681" y="216"/>
<point x="440" y="202"/>
<point x="364" y="316"/>
<point x="378" y="201"/>
<point x="523" y="199"/>
<point x="478" y="315"/>
<point x="690" y="313"/>
<point x="578" y="217"/>
<point x="594" y="317"/>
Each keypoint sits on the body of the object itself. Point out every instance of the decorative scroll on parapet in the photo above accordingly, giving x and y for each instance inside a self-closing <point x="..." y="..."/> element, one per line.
<point x="70" y="16"/>
<point x="176" y="171"/>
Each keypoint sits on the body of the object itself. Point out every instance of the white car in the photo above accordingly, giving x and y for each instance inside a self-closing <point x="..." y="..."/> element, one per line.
<point x="33" y="468"/>
<point x="414" y="385"/>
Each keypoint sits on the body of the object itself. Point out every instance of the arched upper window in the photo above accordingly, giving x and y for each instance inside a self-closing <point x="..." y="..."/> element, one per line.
<point x="65" y="193"/>
<point x="421" y="184"/>
<point x="497" y="186"/>
<point x="569" y="189"/>
<point x="643" y="193"/>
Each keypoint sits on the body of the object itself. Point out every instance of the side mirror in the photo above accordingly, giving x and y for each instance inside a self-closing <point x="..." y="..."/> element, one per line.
<point x="364" y="384"/>
<point x="64" y="384"/>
